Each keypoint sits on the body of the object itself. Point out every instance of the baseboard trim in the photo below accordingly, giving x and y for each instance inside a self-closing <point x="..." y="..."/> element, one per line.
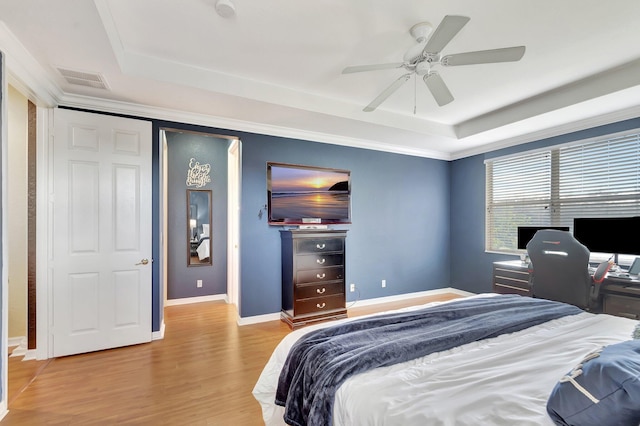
<point x="21" y="343"/>
<point x="258" y="319"/>
<point x="30" y="355"/>
<point x="158" y="335"/>
<point x="16" y="341"/>
<point x="3" y="408"/>
<point x="368" y="302"/>
<point x="199" y="299"/>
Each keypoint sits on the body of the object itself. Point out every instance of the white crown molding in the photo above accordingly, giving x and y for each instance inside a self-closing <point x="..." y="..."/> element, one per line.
<point x="176" y="73"/>
<point x="25" y="73"/>
<point x="571" y="127"/>
<point x="605" y="84"/>
<point x="30" y="78"/>
<point x="158" y="113"/>
<point x="231" y="124"/>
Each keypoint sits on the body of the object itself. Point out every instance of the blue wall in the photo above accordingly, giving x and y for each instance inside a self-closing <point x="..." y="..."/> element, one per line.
<point x="181" y="279"/>
<point x="400" y="215"/>
<point x="471" y="266"/>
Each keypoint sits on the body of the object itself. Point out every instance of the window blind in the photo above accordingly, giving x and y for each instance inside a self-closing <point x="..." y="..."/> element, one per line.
<point x="595" y="178"/>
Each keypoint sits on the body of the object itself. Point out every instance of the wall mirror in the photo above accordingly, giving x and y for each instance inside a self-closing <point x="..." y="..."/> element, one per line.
<point x="198" y="227"/>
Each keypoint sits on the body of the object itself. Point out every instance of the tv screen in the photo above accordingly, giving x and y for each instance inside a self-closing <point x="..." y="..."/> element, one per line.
<point x="307" y="195"/>
<point x="617" y="235"/>
<point x="526" y="233"/>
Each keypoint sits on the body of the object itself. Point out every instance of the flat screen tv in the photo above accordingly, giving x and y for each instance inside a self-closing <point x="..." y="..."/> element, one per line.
<point x="299" y="194"/>
<point x="526" y="233"/>
<point x="617" y="235"/>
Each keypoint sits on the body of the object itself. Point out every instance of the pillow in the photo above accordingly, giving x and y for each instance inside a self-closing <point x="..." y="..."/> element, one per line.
<point x="604" y="389"/>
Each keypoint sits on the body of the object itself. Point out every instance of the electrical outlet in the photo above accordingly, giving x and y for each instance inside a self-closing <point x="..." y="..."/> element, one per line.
<point x="352" y="288"/>
<point x="384" y="283"/>
<point x="199" y="283"/>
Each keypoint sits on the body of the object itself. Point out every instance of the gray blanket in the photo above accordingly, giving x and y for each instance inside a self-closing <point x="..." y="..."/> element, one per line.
<point x="322" y="360"/>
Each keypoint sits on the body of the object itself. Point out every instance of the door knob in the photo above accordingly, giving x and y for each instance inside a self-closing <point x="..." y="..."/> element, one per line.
<point x="143" y="262"/>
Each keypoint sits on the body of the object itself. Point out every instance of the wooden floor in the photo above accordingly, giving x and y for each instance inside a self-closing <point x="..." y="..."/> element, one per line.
<point x="201" y="373"/>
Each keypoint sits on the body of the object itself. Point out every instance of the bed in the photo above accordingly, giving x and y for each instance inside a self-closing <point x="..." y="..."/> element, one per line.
<point x="503" y="380"/>
<point x="204" y="247"/>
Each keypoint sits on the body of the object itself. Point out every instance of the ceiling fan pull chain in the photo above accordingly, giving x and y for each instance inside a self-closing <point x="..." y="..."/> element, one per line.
<point x="415" y="93"/>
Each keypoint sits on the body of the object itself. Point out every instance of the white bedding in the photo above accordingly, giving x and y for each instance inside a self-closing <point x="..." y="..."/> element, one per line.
<point x="500" y="381"/>
<point x="203" y="249"/>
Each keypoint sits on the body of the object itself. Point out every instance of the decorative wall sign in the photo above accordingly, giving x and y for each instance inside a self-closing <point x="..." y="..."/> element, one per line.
<point x="198" y="174"/>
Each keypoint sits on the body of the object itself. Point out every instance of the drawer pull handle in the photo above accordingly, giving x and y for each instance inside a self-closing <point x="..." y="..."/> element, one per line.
<point x="320" y="246"/>
<point x="321" y="276"/>
<point x="322" y="305"/>
<point x="321" y="290"/>
<point x="320" y="261"/>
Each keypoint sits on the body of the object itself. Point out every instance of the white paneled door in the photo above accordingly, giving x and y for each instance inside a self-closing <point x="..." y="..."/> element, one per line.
<point x="101" y="239"/>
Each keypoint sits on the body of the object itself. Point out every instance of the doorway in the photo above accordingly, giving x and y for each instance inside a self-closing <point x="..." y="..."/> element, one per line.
<point x="215" y="278"/>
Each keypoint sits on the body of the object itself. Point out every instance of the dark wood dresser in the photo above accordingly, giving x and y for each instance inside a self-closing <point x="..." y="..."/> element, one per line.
<point x="313" y="276"/>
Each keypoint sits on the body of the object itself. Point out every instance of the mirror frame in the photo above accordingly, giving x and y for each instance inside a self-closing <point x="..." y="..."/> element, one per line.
<point x="192" y="244"/>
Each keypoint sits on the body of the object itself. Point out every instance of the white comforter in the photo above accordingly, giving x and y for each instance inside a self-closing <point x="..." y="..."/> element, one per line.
<point x="203" y="249"/>
<point x="500" y="381"/>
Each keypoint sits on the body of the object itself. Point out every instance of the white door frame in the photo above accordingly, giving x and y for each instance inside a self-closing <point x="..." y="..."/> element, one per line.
<point x="44" y="116"/>
<point x="233" y="222"/>
<point x="4" y="281"/>
<point x="234" y="154"/>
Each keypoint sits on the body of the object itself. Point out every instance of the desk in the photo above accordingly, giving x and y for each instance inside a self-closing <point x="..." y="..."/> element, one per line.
<point x="511" y="277"/>
<point x="620" y="296"/>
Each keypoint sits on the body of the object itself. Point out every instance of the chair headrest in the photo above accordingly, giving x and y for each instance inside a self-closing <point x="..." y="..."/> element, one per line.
<point x="554" y="242"/>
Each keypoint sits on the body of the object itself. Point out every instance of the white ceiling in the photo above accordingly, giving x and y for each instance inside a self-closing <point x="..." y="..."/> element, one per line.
<point x="275" y="67"/>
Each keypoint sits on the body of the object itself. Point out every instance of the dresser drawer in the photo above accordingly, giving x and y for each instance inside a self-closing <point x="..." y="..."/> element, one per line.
<point x="319" y="304"/>
<point x="622" y="306"/>
<point x="320" y="275"/>
<point x="313" y="276"/>
<point x="319" y="290"/>
<point x="314" y="261"/>
<point x="320" y="245"/>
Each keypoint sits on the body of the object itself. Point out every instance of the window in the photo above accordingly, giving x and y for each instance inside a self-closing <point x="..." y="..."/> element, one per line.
<point x="550" y="187"/>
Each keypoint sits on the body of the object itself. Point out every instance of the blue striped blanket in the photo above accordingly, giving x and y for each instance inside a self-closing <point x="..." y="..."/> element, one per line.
<point x="320" y="361"/>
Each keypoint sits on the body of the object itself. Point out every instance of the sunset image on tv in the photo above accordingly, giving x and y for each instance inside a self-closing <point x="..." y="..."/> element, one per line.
<point x="298" y="193"/>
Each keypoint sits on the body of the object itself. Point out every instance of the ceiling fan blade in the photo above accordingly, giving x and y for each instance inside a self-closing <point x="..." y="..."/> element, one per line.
<point x="438" y="88"/>
<point x="507" y="54"/>
<point x="447" y="30"/>
<point x="374" y="67"/>
<point x="387" y="92"/>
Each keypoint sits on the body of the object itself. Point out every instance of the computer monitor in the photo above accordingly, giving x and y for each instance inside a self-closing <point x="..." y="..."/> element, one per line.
<point x="617" y="235"/>
<point x="526" y="233"/>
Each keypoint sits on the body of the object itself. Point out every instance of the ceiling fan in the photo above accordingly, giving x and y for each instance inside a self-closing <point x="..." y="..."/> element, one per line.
<point x="421" y="58"/>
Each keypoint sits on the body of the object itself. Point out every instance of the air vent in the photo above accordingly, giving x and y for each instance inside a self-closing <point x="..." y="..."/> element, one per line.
<point x="82" y="78"/>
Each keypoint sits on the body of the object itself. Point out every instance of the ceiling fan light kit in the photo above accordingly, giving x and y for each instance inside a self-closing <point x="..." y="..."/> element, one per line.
<point x="225" y="8"/>
<point x="421" y="58"/>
